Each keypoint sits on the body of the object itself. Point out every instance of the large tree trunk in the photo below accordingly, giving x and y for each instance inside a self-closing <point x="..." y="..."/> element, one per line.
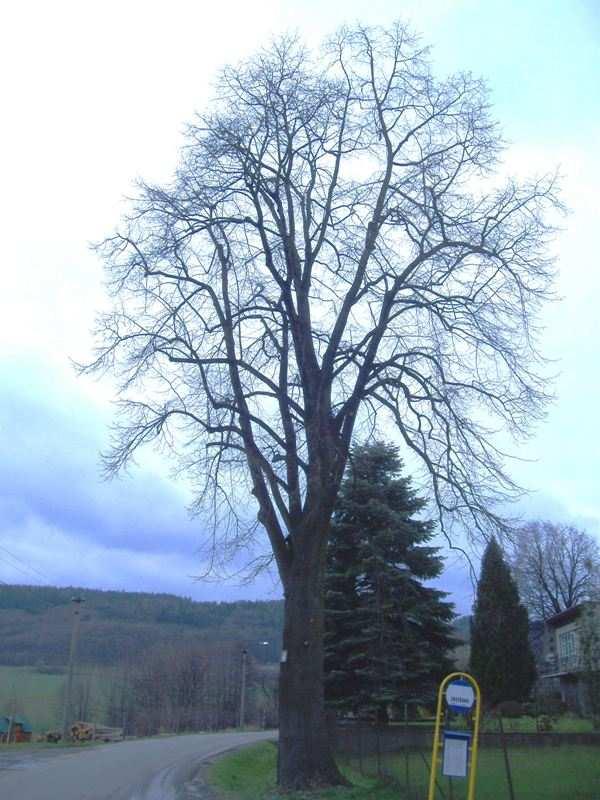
<point x="305" y="754"/>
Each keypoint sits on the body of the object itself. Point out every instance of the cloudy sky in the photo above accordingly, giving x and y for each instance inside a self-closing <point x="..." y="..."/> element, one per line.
<point x="95" y="94"/>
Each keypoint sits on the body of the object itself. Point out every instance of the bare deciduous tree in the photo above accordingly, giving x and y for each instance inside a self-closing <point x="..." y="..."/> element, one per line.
<point x="187" y="688"/>
<point x="334" y="251"/>
<point x="556" y="567"/>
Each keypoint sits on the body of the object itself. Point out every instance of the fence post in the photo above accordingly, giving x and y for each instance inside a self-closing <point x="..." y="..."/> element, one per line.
<point x="378" y="746"/>
<point x="406" y="755"/>
<point x="360" y="745"/>
<point x="511" y="790"/>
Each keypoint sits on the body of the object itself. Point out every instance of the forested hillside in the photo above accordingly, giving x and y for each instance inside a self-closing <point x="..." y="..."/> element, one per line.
<point x="35" y="624"/>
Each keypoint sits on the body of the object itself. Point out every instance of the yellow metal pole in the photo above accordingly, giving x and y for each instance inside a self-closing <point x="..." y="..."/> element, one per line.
<point x="436" y="743"/>
<point x="475" y="750"/>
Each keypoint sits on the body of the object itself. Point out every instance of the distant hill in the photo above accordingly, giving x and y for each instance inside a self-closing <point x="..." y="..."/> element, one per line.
<point x="35" y="625"/>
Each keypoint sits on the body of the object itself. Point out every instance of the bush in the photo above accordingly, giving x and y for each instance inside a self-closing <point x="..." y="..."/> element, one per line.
<point x="511" y="709"/>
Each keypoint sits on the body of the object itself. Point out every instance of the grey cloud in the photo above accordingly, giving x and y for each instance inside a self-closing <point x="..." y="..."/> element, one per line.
<point x="49" y="468"/>
<point x="56" y="513"/>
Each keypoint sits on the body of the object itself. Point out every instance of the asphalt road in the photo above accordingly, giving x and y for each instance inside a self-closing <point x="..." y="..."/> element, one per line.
<point x="148" y="769"/>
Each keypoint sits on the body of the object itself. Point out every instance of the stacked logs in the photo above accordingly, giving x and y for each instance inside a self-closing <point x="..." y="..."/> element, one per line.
<point x="86" y="732"/>
<point x="90" y="732"/>
<point x="82" y="732"/>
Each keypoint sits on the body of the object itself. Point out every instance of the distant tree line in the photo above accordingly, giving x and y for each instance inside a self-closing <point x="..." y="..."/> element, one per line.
<point x="143" y="606"/>
<point x="35" y="625"/>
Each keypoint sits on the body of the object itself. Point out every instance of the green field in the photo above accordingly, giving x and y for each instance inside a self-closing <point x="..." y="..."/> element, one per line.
<point x="538" y="774"/>
<point x="32" y="693"/>
<point x="38" y="695"/>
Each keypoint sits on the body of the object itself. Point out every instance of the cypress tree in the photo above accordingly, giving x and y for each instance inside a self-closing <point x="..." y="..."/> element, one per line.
<point x="387" y="635"/>
<point x="501" y="656"/>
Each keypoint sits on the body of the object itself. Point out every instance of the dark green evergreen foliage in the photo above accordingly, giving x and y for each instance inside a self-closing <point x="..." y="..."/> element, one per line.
<point x="501" y="656"/>
<point x="387" y="636"/>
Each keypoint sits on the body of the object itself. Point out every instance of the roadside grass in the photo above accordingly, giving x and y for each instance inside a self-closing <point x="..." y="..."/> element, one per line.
<point x="249" y="774"/>
<point x="544" y="773"/>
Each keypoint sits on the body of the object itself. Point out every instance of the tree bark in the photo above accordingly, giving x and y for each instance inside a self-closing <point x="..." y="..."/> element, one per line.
<point x="305" y="753"/>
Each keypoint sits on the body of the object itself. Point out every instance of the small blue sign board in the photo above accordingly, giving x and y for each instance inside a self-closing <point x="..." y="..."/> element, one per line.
<point x="460" y="696"/>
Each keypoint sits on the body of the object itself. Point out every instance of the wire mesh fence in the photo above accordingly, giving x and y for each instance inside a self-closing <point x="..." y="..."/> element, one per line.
<point x="514" y="763"/>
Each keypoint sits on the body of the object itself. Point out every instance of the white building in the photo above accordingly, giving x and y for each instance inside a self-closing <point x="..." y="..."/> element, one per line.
<point x="566" y="659"/>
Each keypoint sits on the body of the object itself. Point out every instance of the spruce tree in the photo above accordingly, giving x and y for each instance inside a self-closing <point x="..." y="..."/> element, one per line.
<point x="501" y="656"/>
<point x="387" y="635"/>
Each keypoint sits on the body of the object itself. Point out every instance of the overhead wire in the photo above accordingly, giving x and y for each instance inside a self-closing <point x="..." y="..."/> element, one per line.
<point x="19" y="561"/>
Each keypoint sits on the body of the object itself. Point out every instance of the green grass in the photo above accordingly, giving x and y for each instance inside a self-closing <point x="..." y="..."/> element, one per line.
<point x="249" y="774"/>
<point x="543" y="773"/>
<point x="546" y="773"/>
<point x="539" y="773"/>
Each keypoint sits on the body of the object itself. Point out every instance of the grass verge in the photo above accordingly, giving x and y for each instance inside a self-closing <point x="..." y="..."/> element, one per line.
<point x="545" y="773"/>
<point x="249" y="774"/>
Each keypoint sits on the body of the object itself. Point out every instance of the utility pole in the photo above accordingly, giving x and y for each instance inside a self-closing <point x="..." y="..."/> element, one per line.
<point x="77" y="601"/>
<point x="243" y="687"/>
<point x="243" y="692"/>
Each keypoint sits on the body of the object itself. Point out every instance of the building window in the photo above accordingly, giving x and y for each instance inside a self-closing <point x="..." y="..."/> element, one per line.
<point x="566" y="644"/>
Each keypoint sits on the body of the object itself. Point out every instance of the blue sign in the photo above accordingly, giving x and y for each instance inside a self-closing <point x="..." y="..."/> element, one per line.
<point x="460" y="696"/>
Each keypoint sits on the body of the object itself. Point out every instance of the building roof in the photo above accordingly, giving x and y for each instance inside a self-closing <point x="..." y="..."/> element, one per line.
<point x="568" y="615"/>
<point x="17" y="720"/>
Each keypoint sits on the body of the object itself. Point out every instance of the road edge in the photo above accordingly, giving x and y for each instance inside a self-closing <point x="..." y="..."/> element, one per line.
<point x="198" y="785"/>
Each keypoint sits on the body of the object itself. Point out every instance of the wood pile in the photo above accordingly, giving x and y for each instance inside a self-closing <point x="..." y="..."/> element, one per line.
<point x="90" y="732"/>
<point x="82" y="732"/>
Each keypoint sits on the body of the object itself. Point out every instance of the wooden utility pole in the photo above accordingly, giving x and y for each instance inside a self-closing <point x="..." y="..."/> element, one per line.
<point x="243" y="689"/>
<point x="77" y="601"/>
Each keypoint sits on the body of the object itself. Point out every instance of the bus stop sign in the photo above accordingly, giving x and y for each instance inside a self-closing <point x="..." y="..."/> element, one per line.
<point x="460" y="696"/>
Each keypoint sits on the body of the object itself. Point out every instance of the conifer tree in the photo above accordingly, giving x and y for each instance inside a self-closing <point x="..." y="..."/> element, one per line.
<point x="387" y="635"/>
<point x="501" y="656"/>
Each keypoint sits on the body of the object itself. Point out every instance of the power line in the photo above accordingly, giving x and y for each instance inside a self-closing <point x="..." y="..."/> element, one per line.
<point x="24" y="563"/>
<point x="15" y="566"/>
